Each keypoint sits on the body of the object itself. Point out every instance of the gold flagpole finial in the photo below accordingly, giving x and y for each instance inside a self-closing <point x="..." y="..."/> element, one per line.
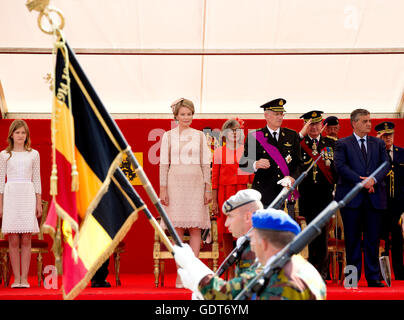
<point x="37" y="5"/>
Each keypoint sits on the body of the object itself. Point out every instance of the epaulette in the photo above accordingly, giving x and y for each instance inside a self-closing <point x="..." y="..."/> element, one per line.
<point x="332" y="138"/>
<point x="289" y="130"/>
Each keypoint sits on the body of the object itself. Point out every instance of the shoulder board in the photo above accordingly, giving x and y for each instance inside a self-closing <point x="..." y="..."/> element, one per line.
<point x="399" y="149"/>
<point x="287" y="130"/>
<point x="332" y="138"/>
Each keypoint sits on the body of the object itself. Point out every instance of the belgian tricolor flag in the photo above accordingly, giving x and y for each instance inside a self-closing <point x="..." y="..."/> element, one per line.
<point x="95" y="201"/>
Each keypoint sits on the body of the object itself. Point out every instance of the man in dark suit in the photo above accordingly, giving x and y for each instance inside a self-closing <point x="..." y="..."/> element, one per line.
<point x="355" y="158"/>
<point x="272" y="153"/>
<point x="316" y="190"/>
<point x="395" y="193"/>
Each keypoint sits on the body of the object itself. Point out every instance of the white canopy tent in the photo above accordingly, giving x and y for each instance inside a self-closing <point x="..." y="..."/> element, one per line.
<point x="228" y="56"/>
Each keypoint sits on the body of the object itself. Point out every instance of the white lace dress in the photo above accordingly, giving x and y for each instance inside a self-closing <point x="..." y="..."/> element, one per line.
<point x="23" y="182"/>
<point x="184" y="169"/>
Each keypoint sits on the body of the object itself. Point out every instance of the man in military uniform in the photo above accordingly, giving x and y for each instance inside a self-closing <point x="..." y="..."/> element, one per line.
<point x="272" y="153"/>
<point x="239" y="209"/>
<point x="272" y="231"/>
<point x="331" y="127"/>
<point x="316" y="190"/>
<point x="395" y="192"/>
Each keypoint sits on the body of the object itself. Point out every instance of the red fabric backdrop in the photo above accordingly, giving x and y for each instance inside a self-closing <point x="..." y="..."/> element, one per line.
<point x="144" y="136"/>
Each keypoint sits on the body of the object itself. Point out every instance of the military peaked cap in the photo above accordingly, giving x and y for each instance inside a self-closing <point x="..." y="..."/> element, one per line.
<point x="314" y="115"/>
<point x="331" y="121"/>
<point x="385" y="127"/>
<point x="275" y="105"/>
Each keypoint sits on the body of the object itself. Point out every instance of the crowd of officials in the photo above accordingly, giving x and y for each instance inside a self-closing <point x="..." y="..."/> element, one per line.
<point x="237" y="178"/>
<point x="266" y="161"/>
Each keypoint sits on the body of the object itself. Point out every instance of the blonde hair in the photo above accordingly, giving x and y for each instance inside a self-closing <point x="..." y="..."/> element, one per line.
<point x="15" y="125"/>
<point x="182" y="102"/>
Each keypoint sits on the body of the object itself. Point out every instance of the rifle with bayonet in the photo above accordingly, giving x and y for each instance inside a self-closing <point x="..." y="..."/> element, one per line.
<point x="305" y="237"/>
<point x="244" y="241"/>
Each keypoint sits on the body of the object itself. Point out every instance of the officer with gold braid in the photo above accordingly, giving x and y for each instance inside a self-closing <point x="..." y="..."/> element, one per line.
<point x="316" y="190"/>
<point x="272" y="231"/>
<point x="395" y="193"/>
<point x="272" y="153"/>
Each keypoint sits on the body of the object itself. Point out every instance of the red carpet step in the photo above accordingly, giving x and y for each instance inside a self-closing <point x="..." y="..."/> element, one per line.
<point x="141" y="287"/>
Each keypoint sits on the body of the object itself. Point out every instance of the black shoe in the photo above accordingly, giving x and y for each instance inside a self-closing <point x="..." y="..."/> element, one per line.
<point x="375" y="284"/>
<point x="100" y="284"/>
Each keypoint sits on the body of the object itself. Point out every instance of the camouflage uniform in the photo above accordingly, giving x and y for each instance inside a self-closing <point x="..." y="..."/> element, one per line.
<point x="304" y="283"/>
<point x="246" y="261"/>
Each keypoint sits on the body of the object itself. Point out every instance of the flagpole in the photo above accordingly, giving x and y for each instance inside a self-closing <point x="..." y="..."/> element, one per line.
<point x="153" y="196"/>
<point x="144" y="208"/>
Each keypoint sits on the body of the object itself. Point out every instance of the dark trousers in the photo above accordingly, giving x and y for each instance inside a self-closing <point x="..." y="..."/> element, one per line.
<point x="391" y="227"/>
<point x="318" y="248"/>
<point x="367" y="220"/>
<point x="102" y="272"/>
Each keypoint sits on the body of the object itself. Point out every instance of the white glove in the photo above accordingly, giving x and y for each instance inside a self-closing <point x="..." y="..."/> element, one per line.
<point x="285" y="182"/>
<point x="192" y="269"/>
<point x="184" y="256"/>
<point x="197" y="296"/>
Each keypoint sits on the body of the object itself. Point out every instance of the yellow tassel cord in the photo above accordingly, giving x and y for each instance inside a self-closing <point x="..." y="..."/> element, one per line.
<point x="75" y="177"/>
<point x="391" y="175"/>
<point x="54" y="181"/>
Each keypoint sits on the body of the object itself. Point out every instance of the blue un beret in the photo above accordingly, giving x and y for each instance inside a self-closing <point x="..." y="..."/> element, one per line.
<point x="272" y="219"/>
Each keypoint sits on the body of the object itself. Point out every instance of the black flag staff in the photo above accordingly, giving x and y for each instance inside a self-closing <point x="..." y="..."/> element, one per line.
<point x="257" y="284"/>
<point x="244" y="241"/>
<point x="56" y="22"/>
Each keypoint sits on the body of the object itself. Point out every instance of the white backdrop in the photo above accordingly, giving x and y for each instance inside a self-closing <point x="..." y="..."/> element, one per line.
<point x="216" y="83"/>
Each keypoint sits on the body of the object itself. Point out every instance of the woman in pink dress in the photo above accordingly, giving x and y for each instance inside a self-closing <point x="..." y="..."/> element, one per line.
<point x="185" y="188"/>
<point x="20" y="198"/>
<point x="227" y="178"/>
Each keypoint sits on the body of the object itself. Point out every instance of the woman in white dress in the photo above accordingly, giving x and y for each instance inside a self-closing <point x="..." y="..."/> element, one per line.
<point x="20" y="198"/>
<point x="185" y="187"/>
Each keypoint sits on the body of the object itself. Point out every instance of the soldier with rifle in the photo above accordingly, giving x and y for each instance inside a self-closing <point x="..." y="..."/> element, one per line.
<point x="272" y="231"/>
<point x="238" y="209"/>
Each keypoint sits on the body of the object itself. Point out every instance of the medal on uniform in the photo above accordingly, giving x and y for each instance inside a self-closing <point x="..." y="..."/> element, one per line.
<point x="327" y="156"/>
<point x="288" y="158"/>
<point x="314" y="148"/>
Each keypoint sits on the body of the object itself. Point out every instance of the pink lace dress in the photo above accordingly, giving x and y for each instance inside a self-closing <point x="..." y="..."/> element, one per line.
<point x="23" y="182"/>
<point x="184" y="169"/>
